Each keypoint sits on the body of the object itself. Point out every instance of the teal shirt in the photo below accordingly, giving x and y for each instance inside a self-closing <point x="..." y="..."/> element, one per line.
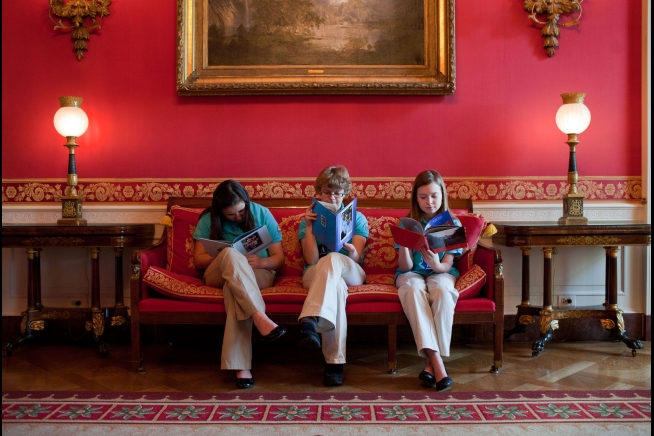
<point x="419" y="264"/>
<point x="360" y="229"/>
<point x="231" y="229"/>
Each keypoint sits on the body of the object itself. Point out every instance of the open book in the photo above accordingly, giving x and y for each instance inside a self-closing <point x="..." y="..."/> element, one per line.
<point x="252" y="242"/>
<point x="438" y="235"/>
<point x="332" y="228"/>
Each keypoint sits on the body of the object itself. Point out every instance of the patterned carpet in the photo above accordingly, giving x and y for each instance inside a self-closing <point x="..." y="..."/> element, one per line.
<point x="581" y="412"/>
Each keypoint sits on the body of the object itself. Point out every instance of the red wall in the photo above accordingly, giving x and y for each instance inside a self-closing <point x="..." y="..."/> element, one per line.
<point x="499" y="122"/>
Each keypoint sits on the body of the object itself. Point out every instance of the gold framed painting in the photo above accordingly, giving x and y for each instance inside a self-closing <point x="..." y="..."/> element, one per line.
<point x="240" y="47"/>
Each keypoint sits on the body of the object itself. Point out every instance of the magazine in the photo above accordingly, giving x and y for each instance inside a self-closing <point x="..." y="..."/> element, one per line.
<point x="332" y="228"/>
<point x="438" y="235"/>
<point x="252" y="242"/>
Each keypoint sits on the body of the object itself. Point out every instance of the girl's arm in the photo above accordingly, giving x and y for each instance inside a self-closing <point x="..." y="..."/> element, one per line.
<point x="433" y="260"/>
<point x="356" y="247"/>
<point x="274" y="261"/>
<point x="405" y="259"/>
<point x="309" y="244"/>
<point x="201" y="258"/>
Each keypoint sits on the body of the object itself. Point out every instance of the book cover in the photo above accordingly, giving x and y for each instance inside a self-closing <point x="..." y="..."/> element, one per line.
<point x="333" y="228"/>
<point x="252" y="242"/>
<point x="439" y="234"/>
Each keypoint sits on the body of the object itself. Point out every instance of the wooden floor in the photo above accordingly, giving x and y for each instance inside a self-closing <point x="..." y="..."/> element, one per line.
<point x="281" y="367"/>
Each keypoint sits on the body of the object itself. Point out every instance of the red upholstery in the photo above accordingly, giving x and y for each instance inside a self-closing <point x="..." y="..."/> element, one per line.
<point x="469" y="284"/>
<point x="167" y="271"/>
<point x="180" y="241"/>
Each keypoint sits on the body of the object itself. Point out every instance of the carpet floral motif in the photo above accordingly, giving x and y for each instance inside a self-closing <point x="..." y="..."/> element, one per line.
<point x="452" y="408"/>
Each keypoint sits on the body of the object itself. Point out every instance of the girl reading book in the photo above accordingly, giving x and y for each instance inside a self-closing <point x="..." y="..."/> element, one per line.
<point x="327" y="276"/>
<point x="425" y="282"/>
<point x="241" y="277"/>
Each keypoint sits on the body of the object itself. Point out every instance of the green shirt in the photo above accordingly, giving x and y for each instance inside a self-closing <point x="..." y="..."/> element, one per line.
<point x="231" y="229"/>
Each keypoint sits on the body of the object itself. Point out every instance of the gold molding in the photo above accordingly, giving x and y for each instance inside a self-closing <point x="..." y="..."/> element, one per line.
<point x="77" y="11"/>
<point x="553" y="9"/>
<point x="588" y="240"/>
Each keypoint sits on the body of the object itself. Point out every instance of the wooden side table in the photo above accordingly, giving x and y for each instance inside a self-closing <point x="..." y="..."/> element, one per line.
<point x="36" y="237"/>
<point x="549" y="236"/>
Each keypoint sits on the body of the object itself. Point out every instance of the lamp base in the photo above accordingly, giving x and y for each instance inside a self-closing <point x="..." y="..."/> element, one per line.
<point x="573" y="210"/>
<point x="71" y="211"/>
<point x="72" y="222"/>
<point x="572" y="220"/>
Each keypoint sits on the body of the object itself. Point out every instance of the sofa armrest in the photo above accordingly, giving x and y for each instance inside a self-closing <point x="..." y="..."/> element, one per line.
<point x="490" y="260"/>
<point x="141" y="261"/>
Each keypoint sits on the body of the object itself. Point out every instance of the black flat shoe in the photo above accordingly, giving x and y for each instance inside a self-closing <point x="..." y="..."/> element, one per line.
<point x="275" y="334"/>
<point x="427" y="378"/>
<point x="333" y="375"/>
<point x="244" y="383"/>
<point x="444" y="384"/>
<point x="308" y="337"/>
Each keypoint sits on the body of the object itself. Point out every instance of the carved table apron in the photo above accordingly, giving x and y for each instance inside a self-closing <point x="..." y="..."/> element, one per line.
<point x="37" y="236"/>
<point x="549" y="236"/>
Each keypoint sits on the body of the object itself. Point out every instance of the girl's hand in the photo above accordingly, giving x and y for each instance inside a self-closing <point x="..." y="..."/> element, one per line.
<point x="352" y="250"/>
<point x="254" y="261"/>
<point x="432" y="259"/>
<point x="310" y="216"/>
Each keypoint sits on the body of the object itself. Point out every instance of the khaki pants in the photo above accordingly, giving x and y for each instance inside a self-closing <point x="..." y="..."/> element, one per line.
<point x="327" y="282"/>
<point x="241" y="289"/>
<point x="428" y="303"/>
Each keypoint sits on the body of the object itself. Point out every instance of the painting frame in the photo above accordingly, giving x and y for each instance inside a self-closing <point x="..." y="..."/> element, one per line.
<point x="435" y="76"/>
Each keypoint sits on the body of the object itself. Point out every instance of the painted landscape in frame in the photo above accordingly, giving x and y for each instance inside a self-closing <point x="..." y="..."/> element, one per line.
<point x="315" y="46"/>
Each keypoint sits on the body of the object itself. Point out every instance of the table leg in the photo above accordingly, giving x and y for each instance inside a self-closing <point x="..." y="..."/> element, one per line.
<point x="547" y="326"/>
<point x="618" y="332"/>
<point x="33" y="300"/>
<point x="119" y="316"/>
<point x="522" y="321"/>
<point x="96" y="311"/>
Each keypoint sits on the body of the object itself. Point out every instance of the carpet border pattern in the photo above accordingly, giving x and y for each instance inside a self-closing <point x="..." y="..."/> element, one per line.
<point x="508" y="407"/>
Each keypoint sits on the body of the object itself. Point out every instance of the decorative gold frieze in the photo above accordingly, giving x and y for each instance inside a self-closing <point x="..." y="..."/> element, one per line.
<point x="77" y="11"/>
<point x="37" y="325"/>
<point x="50" y="241"/>
<point x="526" y="320"/>
<point x="607" y="324"/>
<point x="588" y="240"/>
<point x="546" y="321"/>
<point x="553" y="9"/>
<point x="98" y="323"/>
<point x="117" y="320"/>
<point x="136" y="271"/>
<point x="618" y="315"/>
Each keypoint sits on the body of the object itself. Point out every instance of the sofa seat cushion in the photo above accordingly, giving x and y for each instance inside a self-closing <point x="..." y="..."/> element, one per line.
<point x="181" y="286"/>
<point x="374" y="307"/>
<point x="164" y="304"/>
<point x="475" y="305"/>
<point x="285" y="290"/>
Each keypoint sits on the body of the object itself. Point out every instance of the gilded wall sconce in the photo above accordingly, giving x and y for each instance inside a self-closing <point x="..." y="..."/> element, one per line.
<point x="78" y="11"/>
<point x="553" y="9"/>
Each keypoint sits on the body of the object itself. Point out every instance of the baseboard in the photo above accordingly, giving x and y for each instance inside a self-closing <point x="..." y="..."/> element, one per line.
<point x="638" y="326"/>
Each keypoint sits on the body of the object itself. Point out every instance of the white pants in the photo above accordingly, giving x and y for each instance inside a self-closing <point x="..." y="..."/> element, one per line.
<point x="241" y="289"/>
<point x="327" y="282"/>
<point x="428" y="303"/>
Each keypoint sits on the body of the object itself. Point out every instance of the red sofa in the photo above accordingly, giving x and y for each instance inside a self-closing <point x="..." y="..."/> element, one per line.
<point x="167" y="289"/>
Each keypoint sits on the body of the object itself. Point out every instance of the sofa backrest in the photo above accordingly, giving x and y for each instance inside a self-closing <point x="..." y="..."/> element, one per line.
<point x="380" y="256"/>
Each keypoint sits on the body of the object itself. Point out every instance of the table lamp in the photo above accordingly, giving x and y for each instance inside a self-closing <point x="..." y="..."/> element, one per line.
<point x="572" y="118"/>
<point x="71" y="121"/>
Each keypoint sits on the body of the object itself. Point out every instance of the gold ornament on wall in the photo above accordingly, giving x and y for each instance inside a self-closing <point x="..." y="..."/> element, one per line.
<point x="78" y="11"/>
<point x="553" y="9"/>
